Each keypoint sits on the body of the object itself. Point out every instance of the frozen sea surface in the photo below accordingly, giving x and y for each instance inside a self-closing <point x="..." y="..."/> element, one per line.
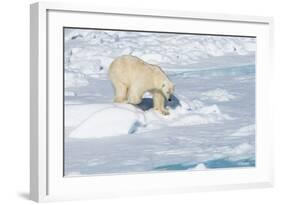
<point x="212" y="123"/>
<point x="212" y="115"/>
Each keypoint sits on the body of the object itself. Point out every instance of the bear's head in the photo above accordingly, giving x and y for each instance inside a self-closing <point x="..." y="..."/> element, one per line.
<point x="167" y="89"/>
<point x="164" y="84"/>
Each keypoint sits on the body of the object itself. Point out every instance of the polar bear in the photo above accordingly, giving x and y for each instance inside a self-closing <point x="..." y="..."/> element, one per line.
<point x="132" y="77"/>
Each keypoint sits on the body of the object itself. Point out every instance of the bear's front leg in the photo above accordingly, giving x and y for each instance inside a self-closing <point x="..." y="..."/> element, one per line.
<point x="159" y="103"/>
<point x="134" y="97"/>
<point x="165" y="111"/>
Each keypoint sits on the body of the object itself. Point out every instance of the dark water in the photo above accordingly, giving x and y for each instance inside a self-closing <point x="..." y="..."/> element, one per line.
<point x="212" y="164"/>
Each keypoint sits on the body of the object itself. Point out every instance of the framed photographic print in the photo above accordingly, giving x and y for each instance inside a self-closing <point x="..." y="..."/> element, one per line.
<point x="130" y="102"/>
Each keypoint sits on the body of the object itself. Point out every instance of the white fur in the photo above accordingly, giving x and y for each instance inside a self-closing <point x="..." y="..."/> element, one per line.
<point x="132" y="77"/>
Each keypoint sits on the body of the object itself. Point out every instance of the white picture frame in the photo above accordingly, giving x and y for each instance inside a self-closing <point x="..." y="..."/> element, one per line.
<point x="46" y="179"/>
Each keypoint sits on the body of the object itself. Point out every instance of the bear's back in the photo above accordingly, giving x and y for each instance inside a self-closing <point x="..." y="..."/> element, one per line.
<point x="128" y="65"/>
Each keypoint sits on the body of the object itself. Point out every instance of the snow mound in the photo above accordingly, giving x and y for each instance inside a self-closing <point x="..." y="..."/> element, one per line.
<point x="245" y="131"/>
<point x="204" y="115"/>
<point x="218" y="94"/>
<point x="199" y="167"/>
<point x="240" y="151"/>
<point x="105" y="120"/>
<point x="109" y="121"/>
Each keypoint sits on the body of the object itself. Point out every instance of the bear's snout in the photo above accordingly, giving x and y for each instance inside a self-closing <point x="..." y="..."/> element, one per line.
<point x="169" y="99"/>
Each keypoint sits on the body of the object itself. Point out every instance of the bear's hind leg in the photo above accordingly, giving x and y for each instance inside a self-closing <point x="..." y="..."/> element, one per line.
<point x="134" y="97"/>
<point x="120" y="92"/>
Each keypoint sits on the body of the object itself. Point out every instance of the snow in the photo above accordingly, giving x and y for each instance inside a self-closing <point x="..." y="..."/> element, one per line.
<point x="69" y="93"/>
<point x="218" y="94"/>
<point x="199" y="167"/>
<point x="90" y="52"/>
<point x="75" y="79"/>
<point x="245" y="131"/>
<point x="240" y="151"/>
<point x="107" y="120"/>
<point x="212" y="113"/>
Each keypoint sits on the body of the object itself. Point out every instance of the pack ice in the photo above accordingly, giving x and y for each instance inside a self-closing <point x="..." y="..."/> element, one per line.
<point x="212" y="115"/>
